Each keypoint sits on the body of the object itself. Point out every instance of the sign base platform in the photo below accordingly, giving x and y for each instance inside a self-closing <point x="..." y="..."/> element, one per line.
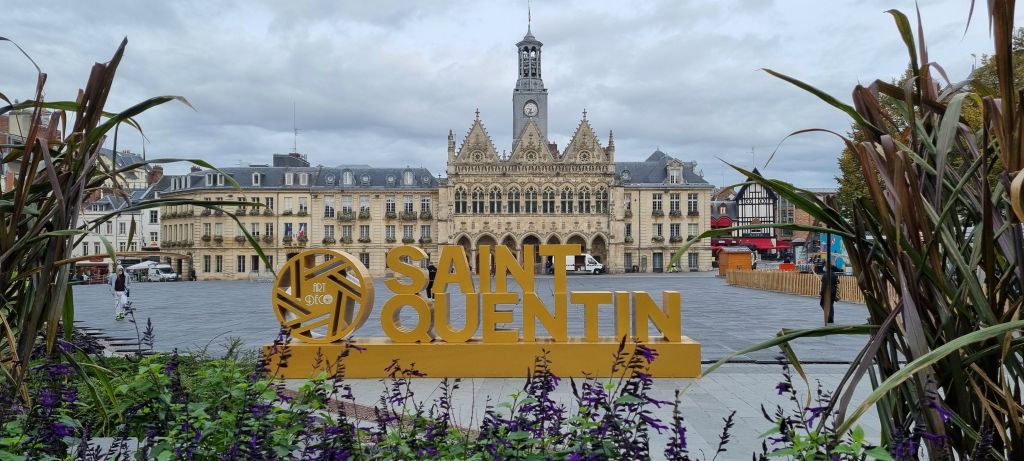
<point x="476" y="359"/>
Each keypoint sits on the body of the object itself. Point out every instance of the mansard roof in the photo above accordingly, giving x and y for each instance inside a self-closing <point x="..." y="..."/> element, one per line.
<point x="321" y="178"/>
<point x="654" y="171"/>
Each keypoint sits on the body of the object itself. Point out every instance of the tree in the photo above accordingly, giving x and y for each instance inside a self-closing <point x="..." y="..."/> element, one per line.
<point x="983" y="81"/>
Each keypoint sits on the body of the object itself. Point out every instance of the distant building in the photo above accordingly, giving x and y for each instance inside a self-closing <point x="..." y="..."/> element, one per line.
<point x="752" y="205"/>
<point x="626" y="214"/>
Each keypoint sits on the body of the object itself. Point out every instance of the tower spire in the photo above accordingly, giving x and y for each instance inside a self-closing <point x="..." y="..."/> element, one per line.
<point x="529" y="17"/>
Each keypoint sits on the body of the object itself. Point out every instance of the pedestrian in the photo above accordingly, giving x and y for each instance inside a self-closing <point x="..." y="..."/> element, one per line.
<point x="431" y="273"/>
<point x="826" y="276"/>
<point x="119" y="284"/>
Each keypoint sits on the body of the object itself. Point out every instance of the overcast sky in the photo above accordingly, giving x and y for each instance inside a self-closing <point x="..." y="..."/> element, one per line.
<point x="382" y="82"/>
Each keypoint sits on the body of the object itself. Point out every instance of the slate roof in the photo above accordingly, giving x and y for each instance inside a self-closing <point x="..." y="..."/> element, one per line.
<point x="731" y="209"/>
<point x="124" y="159"/>
<point x="321" y="178"/>
<point x="653" y="171"/>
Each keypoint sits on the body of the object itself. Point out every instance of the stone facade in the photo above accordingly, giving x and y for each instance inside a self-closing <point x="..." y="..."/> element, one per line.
<point x="362" y="210"/>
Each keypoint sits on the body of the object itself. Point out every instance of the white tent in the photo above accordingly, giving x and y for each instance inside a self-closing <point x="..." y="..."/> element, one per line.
<point x="141" y="266"/>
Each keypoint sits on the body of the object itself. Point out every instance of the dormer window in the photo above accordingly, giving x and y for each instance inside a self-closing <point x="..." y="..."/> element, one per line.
<point x="391" y="179"/>
<point x="303" y="179"/>
<point x="220" y="180"/>
<point x="209" y="179"/>
<point x="721" y="210"/>
<point x="407" y="178"/>
<point x="288" y="179"/>
<point x="255" y="179"/>
<point x="346" y="178"/>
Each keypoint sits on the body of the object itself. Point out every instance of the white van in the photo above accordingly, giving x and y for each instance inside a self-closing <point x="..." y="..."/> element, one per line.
<point x="583" y="264"/>
<point x="162" y="273"/>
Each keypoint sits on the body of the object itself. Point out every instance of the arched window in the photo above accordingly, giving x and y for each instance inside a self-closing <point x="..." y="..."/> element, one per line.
<point x="407" y="177"/>
<point x="531" y="200"/>
<point x="601" y="201"/>
<point x="495" y="200"/>
<point x="346" y="178"/>
<point x="583" y="200"/>
<point x="567" y="200"/>
<point x="478" y="200"/>
<point x="461" y="206"/>
<point x="513" y="201"/>
<point x="548" y="200"/>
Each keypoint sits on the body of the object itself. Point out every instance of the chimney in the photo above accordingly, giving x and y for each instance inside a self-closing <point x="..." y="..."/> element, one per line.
<point x="195" y="169"/>
<point x="155" y="175"/>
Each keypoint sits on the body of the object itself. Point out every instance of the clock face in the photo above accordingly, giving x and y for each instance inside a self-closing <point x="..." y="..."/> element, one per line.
<point x="530" y="109"/>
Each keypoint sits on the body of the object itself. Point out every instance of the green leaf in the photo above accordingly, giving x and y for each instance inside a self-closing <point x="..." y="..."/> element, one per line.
<point x="627" y="399"/>
<point x="879" y="453"/>
<point x="924" y="362"/>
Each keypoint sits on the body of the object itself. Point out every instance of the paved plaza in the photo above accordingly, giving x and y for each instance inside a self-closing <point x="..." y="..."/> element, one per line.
<point x="723" y="318"/>
<point x="190" y="315"/>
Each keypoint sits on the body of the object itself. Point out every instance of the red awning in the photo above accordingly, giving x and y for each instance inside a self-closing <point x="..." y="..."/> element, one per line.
<point x="783" y="244"/>
<point x="761" y="243"/>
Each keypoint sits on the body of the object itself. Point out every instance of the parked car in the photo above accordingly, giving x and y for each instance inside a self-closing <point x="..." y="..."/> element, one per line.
<point x="162" y="273"/>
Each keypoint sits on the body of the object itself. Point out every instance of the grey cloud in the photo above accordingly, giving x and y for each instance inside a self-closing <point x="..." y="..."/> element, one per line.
<point x="383" y="82"/>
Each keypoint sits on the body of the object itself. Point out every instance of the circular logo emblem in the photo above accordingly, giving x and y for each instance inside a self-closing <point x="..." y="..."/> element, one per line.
<point x="322" y="296"/>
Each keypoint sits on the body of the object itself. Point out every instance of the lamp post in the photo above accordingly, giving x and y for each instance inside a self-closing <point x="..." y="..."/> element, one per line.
<point x="827" y="289"/>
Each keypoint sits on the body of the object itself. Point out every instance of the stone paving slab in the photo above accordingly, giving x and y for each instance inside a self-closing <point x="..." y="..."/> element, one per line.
<point x="740" y="387"/>
<point x="724" y="318"/>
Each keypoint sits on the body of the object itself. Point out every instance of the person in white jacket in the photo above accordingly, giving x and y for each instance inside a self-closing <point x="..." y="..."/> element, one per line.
<point x="119" y="281"/>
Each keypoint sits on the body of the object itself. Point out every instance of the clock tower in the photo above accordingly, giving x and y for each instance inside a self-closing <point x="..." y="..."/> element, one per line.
<point x="530" y="98"/>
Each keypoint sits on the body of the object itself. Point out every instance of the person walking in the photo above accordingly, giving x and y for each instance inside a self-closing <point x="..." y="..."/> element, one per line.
<point x="119" y="284"/>
<point x="829" y="279"/>
<point x="431" y="273"/>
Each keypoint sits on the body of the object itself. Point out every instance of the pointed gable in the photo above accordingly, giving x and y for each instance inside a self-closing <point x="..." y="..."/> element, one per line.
<point x="584" y="147"/>
<point x="530" y="147"/>
<point x="477" y="146"/>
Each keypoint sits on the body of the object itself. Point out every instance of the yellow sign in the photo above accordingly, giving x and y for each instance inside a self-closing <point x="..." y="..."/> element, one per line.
<point x="324" y="296"/>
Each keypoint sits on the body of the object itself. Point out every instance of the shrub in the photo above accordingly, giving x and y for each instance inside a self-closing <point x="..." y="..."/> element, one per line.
<point x="302" y="213"/>
<point x="364" y="214"/>
<point x="426" y="215"/>
<point x="390" y="215"/>
<point x="408" y="216"/>
<point x="268" y="212"/>
<point x="658" y="213"/>
<point x="240" y="238"/>
<point x="933" y="243"/>
<point x="206" y="237"/>
<point x="218" y="239"/>
<point x="268" y="238"/>
<point x="328" y="241"/>
<point x="675" y="214"/>
<point x="628" y="213"/>
<point x="286" y="213"/>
